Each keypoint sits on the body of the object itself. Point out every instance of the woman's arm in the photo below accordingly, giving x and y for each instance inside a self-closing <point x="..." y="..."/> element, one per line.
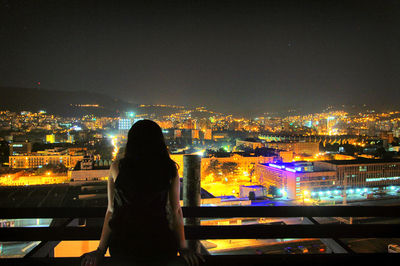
<point x="106" y="231"/>
<point x="92" y="258"/>
<point x="177" y="217"/>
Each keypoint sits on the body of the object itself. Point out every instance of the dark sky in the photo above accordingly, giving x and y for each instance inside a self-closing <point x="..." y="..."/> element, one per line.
<point x="247" y="58"/>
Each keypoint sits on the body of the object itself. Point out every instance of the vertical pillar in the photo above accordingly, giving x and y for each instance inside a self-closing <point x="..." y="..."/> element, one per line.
<point x="344" y="189"/>
<point x="191" y="191"/>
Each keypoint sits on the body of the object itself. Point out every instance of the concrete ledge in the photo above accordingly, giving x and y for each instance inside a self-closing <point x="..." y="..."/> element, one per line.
<point x="273" y="259"/>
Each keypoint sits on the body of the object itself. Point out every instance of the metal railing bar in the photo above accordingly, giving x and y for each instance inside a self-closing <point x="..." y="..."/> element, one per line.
<point x="266" y="259"/>
<point x="215" y="212"/>
<point x="217" y="232"/>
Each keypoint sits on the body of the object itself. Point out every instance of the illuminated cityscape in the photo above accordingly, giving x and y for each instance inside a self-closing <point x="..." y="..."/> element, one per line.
<point x="315" y="159"/>
<point x="234" y="149"/>
<point x="278" y="103"/>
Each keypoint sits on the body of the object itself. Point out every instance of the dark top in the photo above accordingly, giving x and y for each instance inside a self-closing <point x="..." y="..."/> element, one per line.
<point x="139" y="224"/>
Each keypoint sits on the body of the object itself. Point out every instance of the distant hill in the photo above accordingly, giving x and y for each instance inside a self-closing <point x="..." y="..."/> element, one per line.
<point x="63" y="103"/>
<point x="166" y="110"/>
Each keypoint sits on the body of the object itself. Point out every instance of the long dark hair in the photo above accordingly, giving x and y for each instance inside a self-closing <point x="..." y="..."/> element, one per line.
<point x="147" y="159"/>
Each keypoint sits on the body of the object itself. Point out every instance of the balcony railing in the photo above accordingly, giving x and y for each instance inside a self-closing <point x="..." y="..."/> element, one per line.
<point x="330" y="234"/>
<point x="312" y="229"/>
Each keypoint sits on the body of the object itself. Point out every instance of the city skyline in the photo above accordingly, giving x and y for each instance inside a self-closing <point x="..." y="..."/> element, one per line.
<point x="237" y="58"/>
<point x="66" y="103"/>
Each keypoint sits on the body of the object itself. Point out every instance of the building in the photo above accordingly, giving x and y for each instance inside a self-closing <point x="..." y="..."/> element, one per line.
<point x="253" y="192"/>
<point x="299" y="148"/>
<point x="36" y="160"/>
<point x="295" y="179"/>
<point x="50" y="138"/>
<point x="363" y="172"/>
<point x="330" y="124"/>
<point x="220" y="136"/>
<point x="325" y="178"/>
<point x="388" y="136"/>
<point x="89" y="169"/>
<point x="195" y="134"/>
<point x="42" y="158"/>
<point x="177" y="133"/>
<point x="124" y="124"/>
<point x="251" y="144"/>
<point x="208" y="134"/>
<point x="70" y="138"/>
<point x="17" y="148"/>
<point x="286" y="156"/>
<point x="306" y="148"/>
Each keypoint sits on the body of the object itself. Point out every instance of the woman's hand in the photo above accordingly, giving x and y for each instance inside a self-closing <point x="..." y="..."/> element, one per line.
<point x="191" y="258"/>
<point x="92" y="258"/>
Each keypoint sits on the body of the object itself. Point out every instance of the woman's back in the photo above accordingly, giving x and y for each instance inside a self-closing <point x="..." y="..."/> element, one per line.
<point x="135" y="226"/>
<point x="139" y="223"/>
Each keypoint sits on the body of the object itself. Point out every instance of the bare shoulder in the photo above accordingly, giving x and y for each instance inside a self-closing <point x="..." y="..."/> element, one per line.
<point x="114" y="169"/>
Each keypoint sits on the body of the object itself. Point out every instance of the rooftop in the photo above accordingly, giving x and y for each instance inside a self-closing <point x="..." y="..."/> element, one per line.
<point x="362" y="161"/>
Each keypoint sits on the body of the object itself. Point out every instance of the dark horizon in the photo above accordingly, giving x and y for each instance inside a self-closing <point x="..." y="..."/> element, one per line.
<point x="247" y="58"/>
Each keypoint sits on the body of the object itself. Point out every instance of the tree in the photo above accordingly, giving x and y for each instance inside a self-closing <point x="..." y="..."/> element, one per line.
<point x="213" y="168"/>
<point x="228" y="168"/>
<point x="266" y="152"/>
<point x="272" y="190"/>
<point x="380" y="152"/>
<point x="54" y="168"/>
<point x="105" y="149"/>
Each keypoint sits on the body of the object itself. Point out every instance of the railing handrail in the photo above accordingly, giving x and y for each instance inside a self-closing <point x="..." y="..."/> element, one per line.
<point x="214" y="212"/>
<point x="216" y="232"/>
<point x="265" y="259"/>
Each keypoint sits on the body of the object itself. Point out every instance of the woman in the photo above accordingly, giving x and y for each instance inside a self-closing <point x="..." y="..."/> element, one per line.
<point x="140" y="185"/>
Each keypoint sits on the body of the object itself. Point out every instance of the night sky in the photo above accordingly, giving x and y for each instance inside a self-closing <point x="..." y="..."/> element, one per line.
<point x="244" y="58"/>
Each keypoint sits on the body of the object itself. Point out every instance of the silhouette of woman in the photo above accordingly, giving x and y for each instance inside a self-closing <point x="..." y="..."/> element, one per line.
<point x="141" y="186"/>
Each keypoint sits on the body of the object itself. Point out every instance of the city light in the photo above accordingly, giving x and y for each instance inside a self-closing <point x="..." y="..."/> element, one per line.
<point x="201" y="153"/>
<point x="114" y="142"/>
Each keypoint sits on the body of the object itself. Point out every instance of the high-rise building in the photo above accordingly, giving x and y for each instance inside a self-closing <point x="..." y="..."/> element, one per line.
<point x="124" y="124"/>
<point x="195" y="134"/>
<point x="208" y="134"/>
<point x="330" y="123"/>
<point x="70" y="138"/>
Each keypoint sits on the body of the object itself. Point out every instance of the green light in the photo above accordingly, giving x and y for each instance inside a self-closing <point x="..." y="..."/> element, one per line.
<point x="130" y="114"/>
